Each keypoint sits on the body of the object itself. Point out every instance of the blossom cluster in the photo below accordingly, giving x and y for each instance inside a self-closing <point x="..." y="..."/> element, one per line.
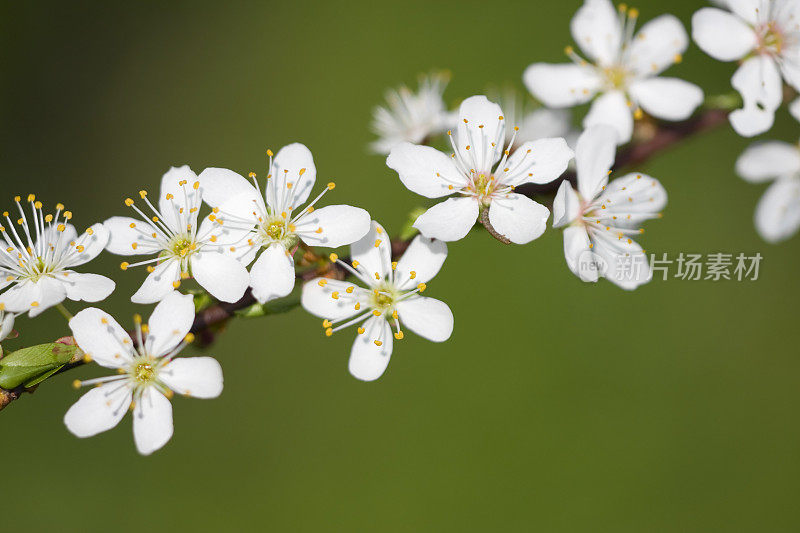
<point x="232" y="234"/>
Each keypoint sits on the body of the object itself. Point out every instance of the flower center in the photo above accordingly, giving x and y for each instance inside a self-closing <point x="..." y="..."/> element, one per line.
<point x="144" y="372"/>
<point x="277" y="230"/>
<point x="182" y="246"/>
<point x="616" y="77"/>
<point x="383" y="297"/>
<point x="483" y="187"/>
<point x="771" y="40"/>
<point x="274" y="230"/>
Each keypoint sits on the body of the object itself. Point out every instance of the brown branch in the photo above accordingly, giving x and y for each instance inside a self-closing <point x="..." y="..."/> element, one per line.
<point x="653" y="140"/>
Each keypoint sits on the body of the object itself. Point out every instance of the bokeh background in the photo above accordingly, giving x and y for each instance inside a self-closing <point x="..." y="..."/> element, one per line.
<point x="556" y="406"/>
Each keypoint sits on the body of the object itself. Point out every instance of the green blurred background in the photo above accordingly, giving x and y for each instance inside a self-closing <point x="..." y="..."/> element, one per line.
<point x="556" y="406"/>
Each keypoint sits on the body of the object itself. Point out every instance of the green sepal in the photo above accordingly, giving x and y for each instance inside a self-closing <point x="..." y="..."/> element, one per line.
<point x="42" y="377"/>
<point x="202" y="300"/>
<point x="273" y="307"/>
<point x="408" y="230"/>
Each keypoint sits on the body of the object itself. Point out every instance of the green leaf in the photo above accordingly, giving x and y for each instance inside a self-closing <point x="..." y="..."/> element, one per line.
<point x="30" y="366"/>
<point x="12" y="377"/>
<point x="41" y="354"/>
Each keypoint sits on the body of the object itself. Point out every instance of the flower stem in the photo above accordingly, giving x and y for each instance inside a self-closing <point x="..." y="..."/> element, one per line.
<point x="63" y="310"/>
<point x="484" y="219"/>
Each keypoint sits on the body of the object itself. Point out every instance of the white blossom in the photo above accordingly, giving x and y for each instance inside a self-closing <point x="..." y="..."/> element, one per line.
<point x="601" y="217"/>
<point x="412" y="116"/>
<point x="482" y="174"/>
<point x="148" y="372"/>
<point x="621" y="69"/>
<point x="389" y="297"/>
<point x="794" y="108"/>
<point x="6" y="324"/>
<point x="777" y="215"/>
<point x="38" y="255"/>
<point x="765" y="34"/>
<point x="275" y="221"/>
<point x="179" y="247"/>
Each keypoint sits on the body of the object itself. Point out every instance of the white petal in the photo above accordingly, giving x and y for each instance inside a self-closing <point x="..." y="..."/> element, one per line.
<point x="768" y="160"/>
<point x="158" y="283"/>
<point x="34" y="297"/>
<point x="86" y="287"/>
<point x="596" y="29"/>
<point x="566" y="205"/>
<point x="542" y="123"/>
<point x="373" y="251"/>
<point x="223" y="187"/>
<point x="341" y="224"/>
<point x="18" y="298"/>
<point x="751" y="11"/>
<point x="577" y="251"/>
<point x="272" y="275"/>
<point x="182" y="196"/>
<point x="626" y="264"/>
<point x="424" y="257"/>
<point x="632" y="199"/>
<point x="594" y="155"/>
<point x="427" y="317"/>
<point x="152" y="421"/>
<point x="101" y="337"/>
<point x="539" y="161"/>
<point x="425" y="170"/>
<point x="481" y="127"/>
<point x="199" y="377"/>
<point x="518" y="218"/>
<point x="317" y="299"/>
<point x="561" y="85"/>
<point x="124" y="232"/>
<point x="6" y="278"/>
<point x="722" y="35"/>
<point x="612" y="109"/>
<point x="98" y="410"/>
<point x="221" y="275"/>
<point x="367" y="360"/>
<point x="794" y="109"/>
<point x="293" y="164"/>
<point x="169" y="323"/>
<point x="750" y="121"/>
<point x="450" y="220"/>
<point x="92" y="241"/>
<point x="778" y="213"/>
<point x="759" y="82"/>
<point x="657" y="45"/>
<point x="6" y="324"/>
<point x="790" y="68"/>
<point x="667" y="98"/>
<point x="231" y="237"/>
